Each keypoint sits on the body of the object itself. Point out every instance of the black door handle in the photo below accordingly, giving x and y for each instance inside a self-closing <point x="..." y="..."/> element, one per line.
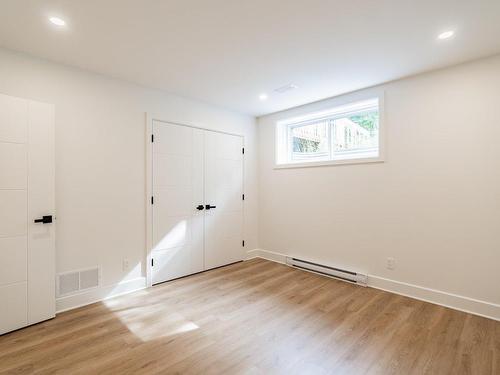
<point x="200" y="207"/>
<point x="47" y="219"/>
<point x="208" y="207"/>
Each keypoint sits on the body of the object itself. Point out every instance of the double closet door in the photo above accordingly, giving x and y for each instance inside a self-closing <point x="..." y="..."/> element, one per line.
<point x="197" y="200"/>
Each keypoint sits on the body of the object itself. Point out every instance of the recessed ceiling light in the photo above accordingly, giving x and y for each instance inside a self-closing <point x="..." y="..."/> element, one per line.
<point x="57" y="21"/>
<point x="263" y="96"/>
<point x="446" y="35"/>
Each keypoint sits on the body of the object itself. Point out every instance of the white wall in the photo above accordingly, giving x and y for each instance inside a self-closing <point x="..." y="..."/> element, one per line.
<point x="434" y="205"/>
<point x="100" y="161"/>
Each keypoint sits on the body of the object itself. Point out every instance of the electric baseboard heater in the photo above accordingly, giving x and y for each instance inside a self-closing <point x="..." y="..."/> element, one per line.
<point x="345" y="275"/>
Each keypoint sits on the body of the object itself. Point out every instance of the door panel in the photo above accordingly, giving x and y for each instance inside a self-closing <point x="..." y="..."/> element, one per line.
<point x="13" y="259"/>
<point x="13" y="119"/>
<point x="13" y="164"/>
<point x="173" y="201"/>
<point x="27" y="250"/>
<point x="14" y="307"/>
<point x="13" y="218"/>
<point x="41" y="193"/>
<point x="177" y="190"/>
<point x="223" y="189"/>
<point x="13" y="213"/>
<point x="172" y="170"/>
<point x="173" y="139"/>
<point x="175" y="231"/>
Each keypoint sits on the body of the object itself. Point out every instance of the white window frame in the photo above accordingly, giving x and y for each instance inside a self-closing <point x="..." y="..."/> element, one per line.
<point x="336" y="108"/>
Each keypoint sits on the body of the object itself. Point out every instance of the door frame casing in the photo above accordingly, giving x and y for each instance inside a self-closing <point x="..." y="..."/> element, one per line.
<point x="150" y="118"/>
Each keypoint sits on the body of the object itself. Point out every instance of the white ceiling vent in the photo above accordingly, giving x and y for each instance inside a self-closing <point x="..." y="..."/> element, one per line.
<point x="283" y="89"/>
<point x="76" y="281"/>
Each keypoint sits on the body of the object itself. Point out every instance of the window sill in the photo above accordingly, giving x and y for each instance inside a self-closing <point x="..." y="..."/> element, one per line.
<point x="328" y="163"/>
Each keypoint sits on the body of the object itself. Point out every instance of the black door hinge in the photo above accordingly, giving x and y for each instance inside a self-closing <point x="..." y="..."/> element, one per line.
<point x="243" y="197"/>
<point x="152" y="138"/>
<point x="243" y="243"/>
<point x="243" y="150"/>
<point x="152" y="200"/>
<point x="152" y="262"/>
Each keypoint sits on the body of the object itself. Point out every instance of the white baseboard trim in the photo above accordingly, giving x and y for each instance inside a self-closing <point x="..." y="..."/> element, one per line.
<point x="438" y="297"/>
<point x="99" y="294"/>
<point x="264" y="254"/>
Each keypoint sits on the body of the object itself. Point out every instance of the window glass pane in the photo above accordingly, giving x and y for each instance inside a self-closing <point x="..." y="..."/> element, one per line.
<point x="310" y="142"/>
<point x="356" y="136"/>
<point x="346" y="132"/>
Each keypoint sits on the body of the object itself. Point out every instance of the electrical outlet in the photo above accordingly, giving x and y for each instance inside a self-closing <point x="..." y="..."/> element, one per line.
<point x="391" y="263"/>
<point x="125" y="264"/>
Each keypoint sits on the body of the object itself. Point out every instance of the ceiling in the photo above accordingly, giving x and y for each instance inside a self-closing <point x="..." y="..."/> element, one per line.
<point x="227" y="52"/>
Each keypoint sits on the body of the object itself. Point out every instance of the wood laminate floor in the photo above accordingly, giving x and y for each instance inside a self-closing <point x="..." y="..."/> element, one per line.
<point x="256" y="317"/>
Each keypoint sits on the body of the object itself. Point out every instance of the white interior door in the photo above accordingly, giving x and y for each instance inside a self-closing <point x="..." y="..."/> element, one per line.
<point x="224" y="190"/>
<point x="177" y="191"/>
<point x="27" y="249"/>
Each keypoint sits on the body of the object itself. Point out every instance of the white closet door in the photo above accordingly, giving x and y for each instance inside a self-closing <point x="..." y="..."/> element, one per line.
<point x="177" y="191"/>
<point x="224" y="190"/>
<point x="27" y="249"/>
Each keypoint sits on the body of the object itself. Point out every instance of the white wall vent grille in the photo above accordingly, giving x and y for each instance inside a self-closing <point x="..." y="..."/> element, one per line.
<point x="76" y="281"/>
<point x="68" y="283"/>
<point x="338" y="273"/>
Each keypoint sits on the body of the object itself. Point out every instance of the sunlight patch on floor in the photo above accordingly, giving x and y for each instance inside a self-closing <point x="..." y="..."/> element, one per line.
<point x="152" y="322"/>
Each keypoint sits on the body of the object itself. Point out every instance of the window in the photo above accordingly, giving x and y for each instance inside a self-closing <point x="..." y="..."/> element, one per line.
<point x="346" y="133"/>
